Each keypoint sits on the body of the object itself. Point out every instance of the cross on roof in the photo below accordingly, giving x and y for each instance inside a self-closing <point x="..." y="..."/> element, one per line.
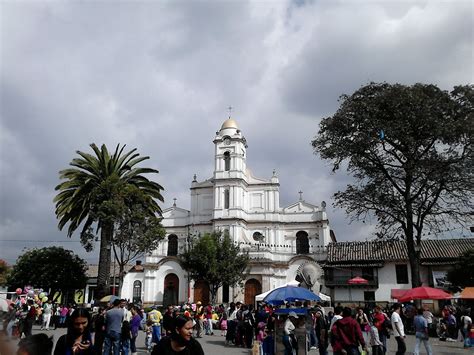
<point x="301" y="195"/>
<point x="230" y="110"/>
<point x="174" y="204"/>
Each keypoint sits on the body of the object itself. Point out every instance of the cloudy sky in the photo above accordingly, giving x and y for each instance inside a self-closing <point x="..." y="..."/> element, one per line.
<point x="159" y="76"/>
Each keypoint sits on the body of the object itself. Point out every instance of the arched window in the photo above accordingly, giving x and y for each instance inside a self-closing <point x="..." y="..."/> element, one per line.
<point x="302" y="243"/>
<point x="137" y="292"/>
<point x="226" y="161"/>
<point x="172" y="245"/>
<point x="226" y="198"/>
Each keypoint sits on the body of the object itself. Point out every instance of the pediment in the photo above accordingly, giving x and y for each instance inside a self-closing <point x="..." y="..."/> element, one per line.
<point x="206" y="183"/>
<point x="175" y="212"/>
<point x="300" y="207"/>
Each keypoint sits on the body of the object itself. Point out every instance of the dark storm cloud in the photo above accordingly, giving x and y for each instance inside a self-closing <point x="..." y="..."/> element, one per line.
<point x="158" y="76"/>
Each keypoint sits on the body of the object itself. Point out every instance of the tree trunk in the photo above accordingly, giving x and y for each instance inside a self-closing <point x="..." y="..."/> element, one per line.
<point x="413" y="257"/>
<point x="103" y="277"/>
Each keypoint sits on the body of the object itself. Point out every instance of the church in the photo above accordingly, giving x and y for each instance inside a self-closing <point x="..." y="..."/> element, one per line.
<point x="280" y="240"/>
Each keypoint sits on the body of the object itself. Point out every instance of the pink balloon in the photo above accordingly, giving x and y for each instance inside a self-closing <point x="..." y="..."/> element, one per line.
<point x="18" y="291"/>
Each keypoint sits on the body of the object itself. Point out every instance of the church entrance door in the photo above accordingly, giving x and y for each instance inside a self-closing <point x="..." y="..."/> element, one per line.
<point x="170" y="295"/>
<point x="201" y="292"/>
<point x="253" y="287"/>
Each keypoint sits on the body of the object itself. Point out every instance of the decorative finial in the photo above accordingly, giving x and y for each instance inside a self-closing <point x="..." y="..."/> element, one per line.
<point x="195" y="178"/>
<point x="230" y="110"/>
<point x="274" y="173"/>
<point x="174" y="204"/>
<point x="323" y="205"/>
<point x="301" y="195"/>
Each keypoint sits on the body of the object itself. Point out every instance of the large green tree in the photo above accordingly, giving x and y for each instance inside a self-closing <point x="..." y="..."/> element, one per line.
<point x="214" y="258"/>
<point x="51" y="268"/>
<point x="86" y="197"/>
<point x="409" y="150"/>
<point x="462" y="273"/>
<point x="137" y="230"/>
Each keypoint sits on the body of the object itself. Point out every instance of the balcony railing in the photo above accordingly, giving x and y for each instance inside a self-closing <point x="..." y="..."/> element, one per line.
<point x="343" y="281"/>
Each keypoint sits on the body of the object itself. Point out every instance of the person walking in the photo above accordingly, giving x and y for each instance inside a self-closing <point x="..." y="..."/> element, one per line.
<point x="466" y="322"/>
<point x="155" y="317"/>
<point x="47" y="311"/>
<point x="363" y="321"/>
<point x="134" y="327"/>
<point x="113" y="329"/>
<point x="321" y="333"/>
<point x="380" y="322"/>
<point x="421" y="333"/>
<point x="289" y="340"/>
<point x="347" y="335"/>
<point x="398" y="329"/>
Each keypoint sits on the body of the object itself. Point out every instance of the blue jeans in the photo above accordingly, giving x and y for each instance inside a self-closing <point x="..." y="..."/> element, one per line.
<point x="156" y="333"/>
<point x="125" y="346"/>
<point x="287" y="344"/>
<point x="112" y="343"/>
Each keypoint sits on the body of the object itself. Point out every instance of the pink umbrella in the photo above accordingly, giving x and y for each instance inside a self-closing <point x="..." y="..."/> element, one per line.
<point x="357" y="281"/>
<point x="424" y="293"/>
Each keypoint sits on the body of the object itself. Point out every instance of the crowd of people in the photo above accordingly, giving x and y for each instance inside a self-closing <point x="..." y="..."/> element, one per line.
<point x="114" y="330"/>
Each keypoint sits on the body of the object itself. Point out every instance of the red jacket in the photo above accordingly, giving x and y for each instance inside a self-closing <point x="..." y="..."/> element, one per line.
<point x="346" y="332"/>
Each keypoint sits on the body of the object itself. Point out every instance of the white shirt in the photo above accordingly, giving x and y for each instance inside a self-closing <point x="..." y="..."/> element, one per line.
<point x="334" y="320"/>
<point x="397" y="324"/>
<point x="289" y="327"/>
<point x="428" y="316"/>
<point x="466" y="320"/>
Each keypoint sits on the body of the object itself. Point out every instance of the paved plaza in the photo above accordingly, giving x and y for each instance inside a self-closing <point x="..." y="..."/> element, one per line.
<point x="214" y="345"/>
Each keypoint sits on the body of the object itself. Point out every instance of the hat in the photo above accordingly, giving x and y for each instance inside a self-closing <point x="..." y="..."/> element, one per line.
<point x="198" y="302"/>
<point x="292" y="314"/>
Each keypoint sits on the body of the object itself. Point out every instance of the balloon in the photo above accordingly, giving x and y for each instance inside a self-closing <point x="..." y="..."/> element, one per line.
<point x="31" y="293"/>
<point x="41" y="295"/>
<point x="36" y="298"/>
<point x="23" y="300"/>
<point x="44" y="299"/>
<point x="18" y="291"/>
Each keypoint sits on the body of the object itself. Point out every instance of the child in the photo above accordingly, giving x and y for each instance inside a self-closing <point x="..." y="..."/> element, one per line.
<point x="148" y="334"/>
<point x="224" y="324"/>
<point x="261" y="336"/>
<point x="268" y="345"/>
<point x="374" y="340"/>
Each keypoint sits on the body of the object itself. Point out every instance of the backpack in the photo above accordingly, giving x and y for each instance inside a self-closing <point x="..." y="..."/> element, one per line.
<point x="142" y="323"/>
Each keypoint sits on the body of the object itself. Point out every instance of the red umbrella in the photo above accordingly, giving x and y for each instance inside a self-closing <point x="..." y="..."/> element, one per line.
<point x="424" y="293"/>
<point x="357" y="281"/>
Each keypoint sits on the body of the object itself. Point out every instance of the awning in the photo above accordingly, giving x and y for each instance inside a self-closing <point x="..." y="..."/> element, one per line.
<point x="468" y="293"/>
<point x="397" y="293"/>
<point x="261" y="296"/>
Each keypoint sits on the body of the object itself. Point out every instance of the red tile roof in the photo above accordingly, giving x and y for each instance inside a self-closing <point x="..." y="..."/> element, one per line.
<point x="432" y="251"/>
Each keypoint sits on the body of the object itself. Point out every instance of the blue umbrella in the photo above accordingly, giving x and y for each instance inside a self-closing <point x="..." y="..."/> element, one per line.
<point x="290" y="294"/>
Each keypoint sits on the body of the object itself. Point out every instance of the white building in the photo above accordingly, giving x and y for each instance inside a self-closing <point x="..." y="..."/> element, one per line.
<point x="279" y="239"/>
<point x="385" y="266"/>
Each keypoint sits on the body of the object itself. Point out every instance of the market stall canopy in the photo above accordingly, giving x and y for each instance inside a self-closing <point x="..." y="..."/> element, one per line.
<point x="109" y="298"/>
<point x="397" y="293"/>
<point x="467" y="293"/>
<point x="261" y="296"/>
<point x="424" y="293"/>
<point x="290" y="294"/>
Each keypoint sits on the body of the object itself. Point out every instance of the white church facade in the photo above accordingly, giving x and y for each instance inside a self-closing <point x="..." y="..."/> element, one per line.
<point x="279" y="239"/>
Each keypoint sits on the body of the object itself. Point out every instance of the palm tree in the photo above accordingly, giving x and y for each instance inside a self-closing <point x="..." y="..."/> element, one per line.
<point x="86" y="194"/>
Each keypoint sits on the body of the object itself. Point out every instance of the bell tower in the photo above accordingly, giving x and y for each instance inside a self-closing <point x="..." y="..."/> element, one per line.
<point x="229" y="171"/>
<point x="230" y="152"/>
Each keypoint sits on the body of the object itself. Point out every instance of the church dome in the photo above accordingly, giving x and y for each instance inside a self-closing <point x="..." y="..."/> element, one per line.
<point x="229" y="123"/>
